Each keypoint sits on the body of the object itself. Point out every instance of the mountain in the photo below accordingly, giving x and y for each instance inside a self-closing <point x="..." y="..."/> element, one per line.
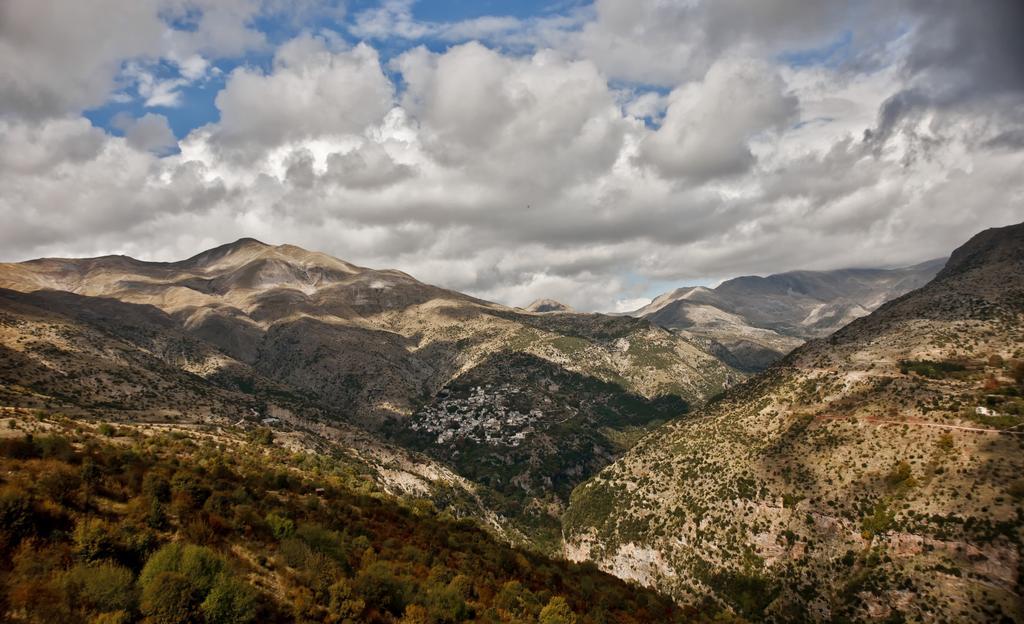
<point x="872" y="475"/>
<point x="415" y="379"/>
<point x="757" y="320"/>
<point x="548" y="305"/>
<point x="129" y="523"/>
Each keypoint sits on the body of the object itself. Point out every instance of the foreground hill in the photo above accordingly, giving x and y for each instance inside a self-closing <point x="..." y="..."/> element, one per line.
<point x="126" y="524"/>
<point x="757" y="320"/>
<point x="331" y="355"/>
<point x="873" y="475"/>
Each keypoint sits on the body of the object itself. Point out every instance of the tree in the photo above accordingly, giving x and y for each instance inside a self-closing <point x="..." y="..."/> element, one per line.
<point x="230" y="601"/>
<point x="198" y="564"/>
<point x="103" y="587"/>
<point x="156" y="486"/>
<point x="345" y="605"/>
<point x="170" y="598"/>
<point x="557" y="611"/>
<point x="380" y="586"/>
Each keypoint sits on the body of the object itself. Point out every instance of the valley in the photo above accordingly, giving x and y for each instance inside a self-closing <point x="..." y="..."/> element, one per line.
<point x="836" y="483"/>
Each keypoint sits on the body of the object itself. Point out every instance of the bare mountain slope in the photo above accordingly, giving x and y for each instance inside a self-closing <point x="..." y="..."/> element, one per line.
<point x="760" y="319"/>
<point x="875" y="474"/>
<point x="374" y="343"/>
<point x="249" y="330"/>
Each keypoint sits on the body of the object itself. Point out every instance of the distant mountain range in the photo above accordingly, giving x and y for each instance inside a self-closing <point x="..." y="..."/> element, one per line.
<point x="523" y="404"/>
<point x="757" y="320"/>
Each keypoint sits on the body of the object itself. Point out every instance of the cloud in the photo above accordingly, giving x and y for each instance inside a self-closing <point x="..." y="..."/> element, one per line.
<point x="538" y="123"/>
<point x="61" y="57"/>
<point x="316" y="87"/>
<point x="582" y="157"/>
<point x="961" y="57"/>
<point x="149" y="133"/>
<point x="707" y="125"/>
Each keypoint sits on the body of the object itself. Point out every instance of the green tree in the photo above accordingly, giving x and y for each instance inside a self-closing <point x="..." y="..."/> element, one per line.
<point x="380" y="586"/>
<point x="170" y="598"/>
<point x="280" y="526"/>
<point x="516" y="599"/>
<point x="345" y="605"/>
<point x="94" y="539"/>
<point x="198" y="564"/>
<point x="230" y="601"/>
<point x="557" y="611"/>
<point x="101" y="587"/>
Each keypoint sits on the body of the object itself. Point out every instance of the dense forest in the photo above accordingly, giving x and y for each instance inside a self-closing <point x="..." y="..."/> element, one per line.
<point x="99" y="524"/>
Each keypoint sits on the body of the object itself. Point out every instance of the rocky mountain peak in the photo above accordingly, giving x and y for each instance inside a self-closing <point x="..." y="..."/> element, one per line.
<point x="995" y="249"/>
<point x="548" y="305"/>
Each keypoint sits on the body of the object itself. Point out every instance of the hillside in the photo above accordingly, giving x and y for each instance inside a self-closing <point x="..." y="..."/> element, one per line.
<point x="128" y="523"/>
<point x="757" y="320"/>
<point x="873" y="475"/>
<point x="331" y="355"/>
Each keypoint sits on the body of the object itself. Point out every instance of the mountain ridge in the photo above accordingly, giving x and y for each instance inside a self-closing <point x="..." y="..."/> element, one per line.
<point x="872" y="474"/>
<point x="758" y="319"/>
<point x="314" y="341"/>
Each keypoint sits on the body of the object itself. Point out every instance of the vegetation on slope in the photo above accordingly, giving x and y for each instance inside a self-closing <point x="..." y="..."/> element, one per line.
<point x="872" y="476"/>
<point x="109" y="525"/>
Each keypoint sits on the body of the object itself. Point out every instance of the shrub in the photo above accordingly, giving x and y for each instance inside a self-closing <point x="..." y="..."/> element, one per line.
<point x="900" y="474"/>
<point x="170" y="598"/>
<point x="230" y="601"/>
<point x="345" y="604"/>
<point x="945" y="442"/>
<point x="445" y="604"/>
<point x="112" y="617"/>
<point x="94" y="539"/>
<point x="54" y="447"/>
<point x="416" y="614"/>
<point x="932" y="370"/>
<point x="382" y="588"/>
<point x="101" y="587"/>
<point x="280" y="526"/>
<point x="17" y="518"/>
<point x="61" y="485"/>
<point x="557" y="611"/>
<point x="516" y="599"/>
<point x="198" y="564"/>
<point x="155" y="486"/>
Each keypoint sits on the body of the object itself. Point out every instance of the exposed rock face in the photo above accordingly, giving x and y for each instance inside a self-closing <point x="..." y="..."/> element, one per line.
<point x="853" y="480"/>
<point x="760" y="319"/>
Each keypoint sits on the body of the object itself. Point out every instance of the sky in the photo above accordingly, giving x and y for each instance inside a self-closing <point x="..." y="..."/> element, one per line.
<point x="594" y="153"/>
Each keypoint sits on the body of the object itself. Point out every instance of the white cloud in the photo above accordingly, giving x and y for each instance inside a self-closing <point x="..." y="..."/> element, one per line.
<point x="315" y="88"/>
<point x="60" y="57"/>
<point x="708" y="124"/>
<point x="540" y="123"/>
<point x="515" y="171"/>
